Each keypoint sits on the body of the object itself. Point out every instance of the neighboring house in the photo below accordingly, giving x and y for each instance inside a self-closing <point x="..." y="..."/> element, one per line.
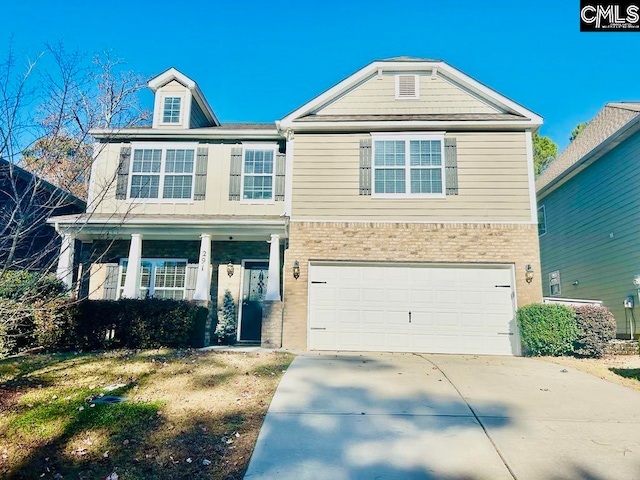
<point x="588" y="203"/>
<point x="394" y="212"/>
<point x="26" y="202"/>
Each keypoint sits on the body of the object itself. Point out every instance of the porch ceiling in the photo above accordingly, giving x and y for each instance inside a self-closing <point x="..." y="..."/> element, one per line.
<point x="89" y="227"/>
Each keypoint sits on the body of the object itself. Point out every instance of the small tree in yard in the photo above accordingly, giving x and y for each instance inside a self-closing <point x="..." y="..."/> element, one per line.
<point x="596" y="326"/>
<point x="227" y="323"/>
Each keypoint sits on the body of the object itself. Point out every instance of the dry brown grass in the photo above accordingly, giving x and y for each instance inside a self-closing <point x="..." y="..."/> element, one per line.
<point x="621" y="369"/>
<point x="185" y="409"/>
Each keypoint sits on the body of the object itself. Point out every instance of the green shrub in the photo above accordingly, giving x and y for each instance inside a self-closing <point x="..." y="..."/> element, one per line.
<point x="547" y="329"/>
<point x="227" y="325"/>
<point x="125" y="323"/>
<point x="21" y="285"/>
<point x="596" y="326"/>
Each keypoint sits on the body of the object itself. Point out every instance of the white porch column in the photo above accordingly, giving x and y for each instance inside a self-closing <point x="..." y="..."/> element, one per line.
<point x="132" y="278"/>
<point x="65" y="260"/>
<point x="273" y="282"/>
<point x="203" y="280"/>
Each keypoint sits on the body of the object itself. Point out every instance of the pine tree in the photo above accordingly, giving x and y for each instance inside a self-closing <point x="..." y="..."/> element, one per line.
<point x="227" y="324"/>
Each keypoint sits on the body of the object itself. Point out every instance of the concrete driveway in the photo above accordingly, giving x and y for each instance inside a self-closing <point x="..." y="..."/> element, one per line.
<point x="402" y="416"/>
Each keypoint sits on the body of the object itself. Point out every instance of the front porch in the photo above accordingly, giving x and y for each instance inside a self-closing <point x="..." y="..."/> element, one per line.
<point x="199" y="262"/>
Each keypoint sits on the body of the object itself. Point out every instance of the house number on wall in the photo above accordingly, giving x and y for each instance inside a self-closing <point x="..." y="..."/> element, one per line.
<point x="203" y="260"/>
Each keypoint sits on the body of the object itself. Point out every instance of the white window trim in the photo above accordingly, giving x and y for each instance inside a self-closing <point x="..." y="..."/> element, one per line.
<point x="417" y="85"/>
<point x="544" y="216"/>
<point x="407" y="137"/>
<point x="152" y="275"/>
<point x="164" y="147"/>
<point x="181" y="119"/>
<point x="259" y="146"/>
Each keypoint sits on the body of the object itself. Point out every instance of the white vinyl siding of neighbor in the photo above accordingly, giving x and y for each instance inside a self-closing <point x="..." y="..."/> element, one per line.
<point x="492" y="179"/>
<point x="378" y="96"/>
<point x="103" y="186"/>
<point x="592" y="231"/>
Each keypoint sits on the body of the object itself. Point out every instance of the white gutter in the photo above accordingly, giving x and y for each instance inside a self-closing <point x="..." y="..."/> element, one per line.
<point x="165" y="221"/>
<point x="300" y="126"/>
<point x="103" y="133"/>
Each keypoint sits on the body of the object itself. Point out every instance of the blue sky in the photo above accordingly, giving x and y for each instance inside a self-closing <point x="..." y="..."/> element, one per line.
<point x="257" y="61"/>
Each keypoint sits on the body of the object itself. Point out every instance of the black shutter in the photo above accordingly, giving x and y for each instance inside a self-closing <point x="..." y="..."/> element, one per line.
<point x="365" y="166"/>
<point x="451" y="165"/>
<point x="200" y="187"/>
<point x="122" y="182"/>
<point x="281" y="171"/>
<point x="235" y="174"/>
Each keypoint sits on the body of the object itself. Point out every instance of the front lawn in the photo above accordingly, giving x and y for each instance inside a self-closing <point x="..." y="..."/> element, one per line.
<point x="192" y="414"/>
<point x="621" y="369"/>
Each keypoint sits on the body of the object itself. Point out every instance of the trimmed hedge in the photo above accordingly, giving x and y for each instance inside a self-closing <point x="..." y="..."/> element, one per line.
<point x="596" y="327"/>
<point x="125" y="323"/>
<point x="547" y="329"/>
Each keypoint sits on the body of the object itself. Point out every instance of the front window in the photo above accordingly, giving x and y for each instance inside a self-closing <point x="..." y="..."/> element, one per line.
<point x="162" y="173"/>
<point x="171" y="112"/>
<point x="258" y="174"/>
<point x="159" y="278"/>
<point x="408" y="167"/>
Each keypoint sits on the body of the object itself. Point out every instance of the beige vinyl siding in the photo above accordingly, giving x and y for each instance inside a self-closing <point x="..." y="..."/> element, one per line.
<point x="492" y="177"/>
<point x="377" y="96"/>
<point x="217" y="193"/>
<point x="592" y="232"/>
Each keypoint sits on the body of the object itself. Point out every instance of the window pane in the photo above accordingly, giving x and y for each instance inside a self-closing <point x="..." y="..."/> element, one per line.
<point x="177" y="186"/>
<point x="145" y="186"/>
<point x="169" y="280"/>
<point x="425" y="153"/>
<point x="171" y="112"/>
<point x="147" y="161"/>
<point x="258" y="187"/>
<point x="389" y="153"/>
<point x="390" y="181"/>
<point x="426" y="180"/>
<point x="258" y="170"/>
<point x="179" y="161"/>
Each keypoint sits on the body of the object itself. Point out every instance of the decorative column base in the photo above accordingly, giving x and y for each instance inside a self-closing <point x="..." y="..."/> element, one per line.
<point x="272" y="324"/>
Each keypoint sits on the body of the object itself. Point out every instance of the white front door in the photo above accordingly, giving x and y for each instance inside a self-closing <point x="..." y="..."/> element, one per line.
<point x="415" y="308"/>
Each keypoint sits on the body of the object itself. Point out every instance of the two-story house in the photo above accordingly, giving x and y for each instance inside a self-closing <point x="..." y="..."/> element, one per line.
<point x="394" y="212"/>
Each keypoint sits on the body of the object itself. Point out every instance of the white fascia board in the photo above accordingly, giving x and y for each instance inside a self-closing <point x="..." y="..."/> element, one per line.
<point x="168" y="75"/>
<point x="490" y="93"/>
<point x="162" y="221"/>
<point x="333" y="91"/>
<point x="373" y="69"/>
<point x="203" y="133"/>
<point x="415" y="124"/>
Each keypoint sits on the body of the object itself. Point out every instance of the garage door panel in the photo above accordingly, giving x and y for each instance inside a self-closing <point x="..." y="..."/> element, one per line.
<point x="373" y="318"/>
<point x="421" y="319"/>
<point x="454" y="309"/>
<point x="446" y="297"/>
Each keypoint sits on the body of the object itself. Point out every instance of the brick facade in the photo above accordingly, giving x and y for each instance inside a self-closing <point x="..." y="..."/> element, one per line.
<point x="398" y="242"/>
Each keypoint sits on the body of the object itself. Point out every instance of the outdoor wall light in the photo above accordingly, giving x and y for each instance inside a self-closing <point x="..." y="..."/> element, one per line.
<point x="230" y="269"/>
<point x="296" y="269"/>
<point x="636" y="281"/>
<point x="528" y="274"/>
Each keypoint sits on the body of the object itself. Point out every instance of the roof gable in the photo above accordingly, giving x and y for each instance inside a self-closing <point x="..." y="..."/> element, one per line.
<point x="610" y="127"/>
<point x="444" y="90"/>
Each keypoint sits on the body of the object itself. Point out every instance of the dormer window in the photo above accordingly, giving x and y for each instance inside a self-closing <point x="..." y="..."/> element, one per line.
<point x="171" y="112"/>
<point x="407" y="87"/>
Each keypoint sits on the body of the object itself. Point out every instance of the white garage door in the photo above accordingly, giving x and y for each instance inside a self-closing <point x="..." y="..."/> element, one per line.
<point x="431" y="309"/>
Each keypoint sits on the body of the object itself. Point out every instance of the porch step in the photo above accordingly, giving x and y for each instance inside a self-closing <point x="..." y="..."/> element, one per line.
<point x="248" y="343"/>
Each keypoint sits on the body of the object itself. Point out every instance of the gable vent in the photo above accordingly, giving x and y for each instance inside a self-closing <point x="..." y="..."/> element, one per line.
<point x="406" y="86"/>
